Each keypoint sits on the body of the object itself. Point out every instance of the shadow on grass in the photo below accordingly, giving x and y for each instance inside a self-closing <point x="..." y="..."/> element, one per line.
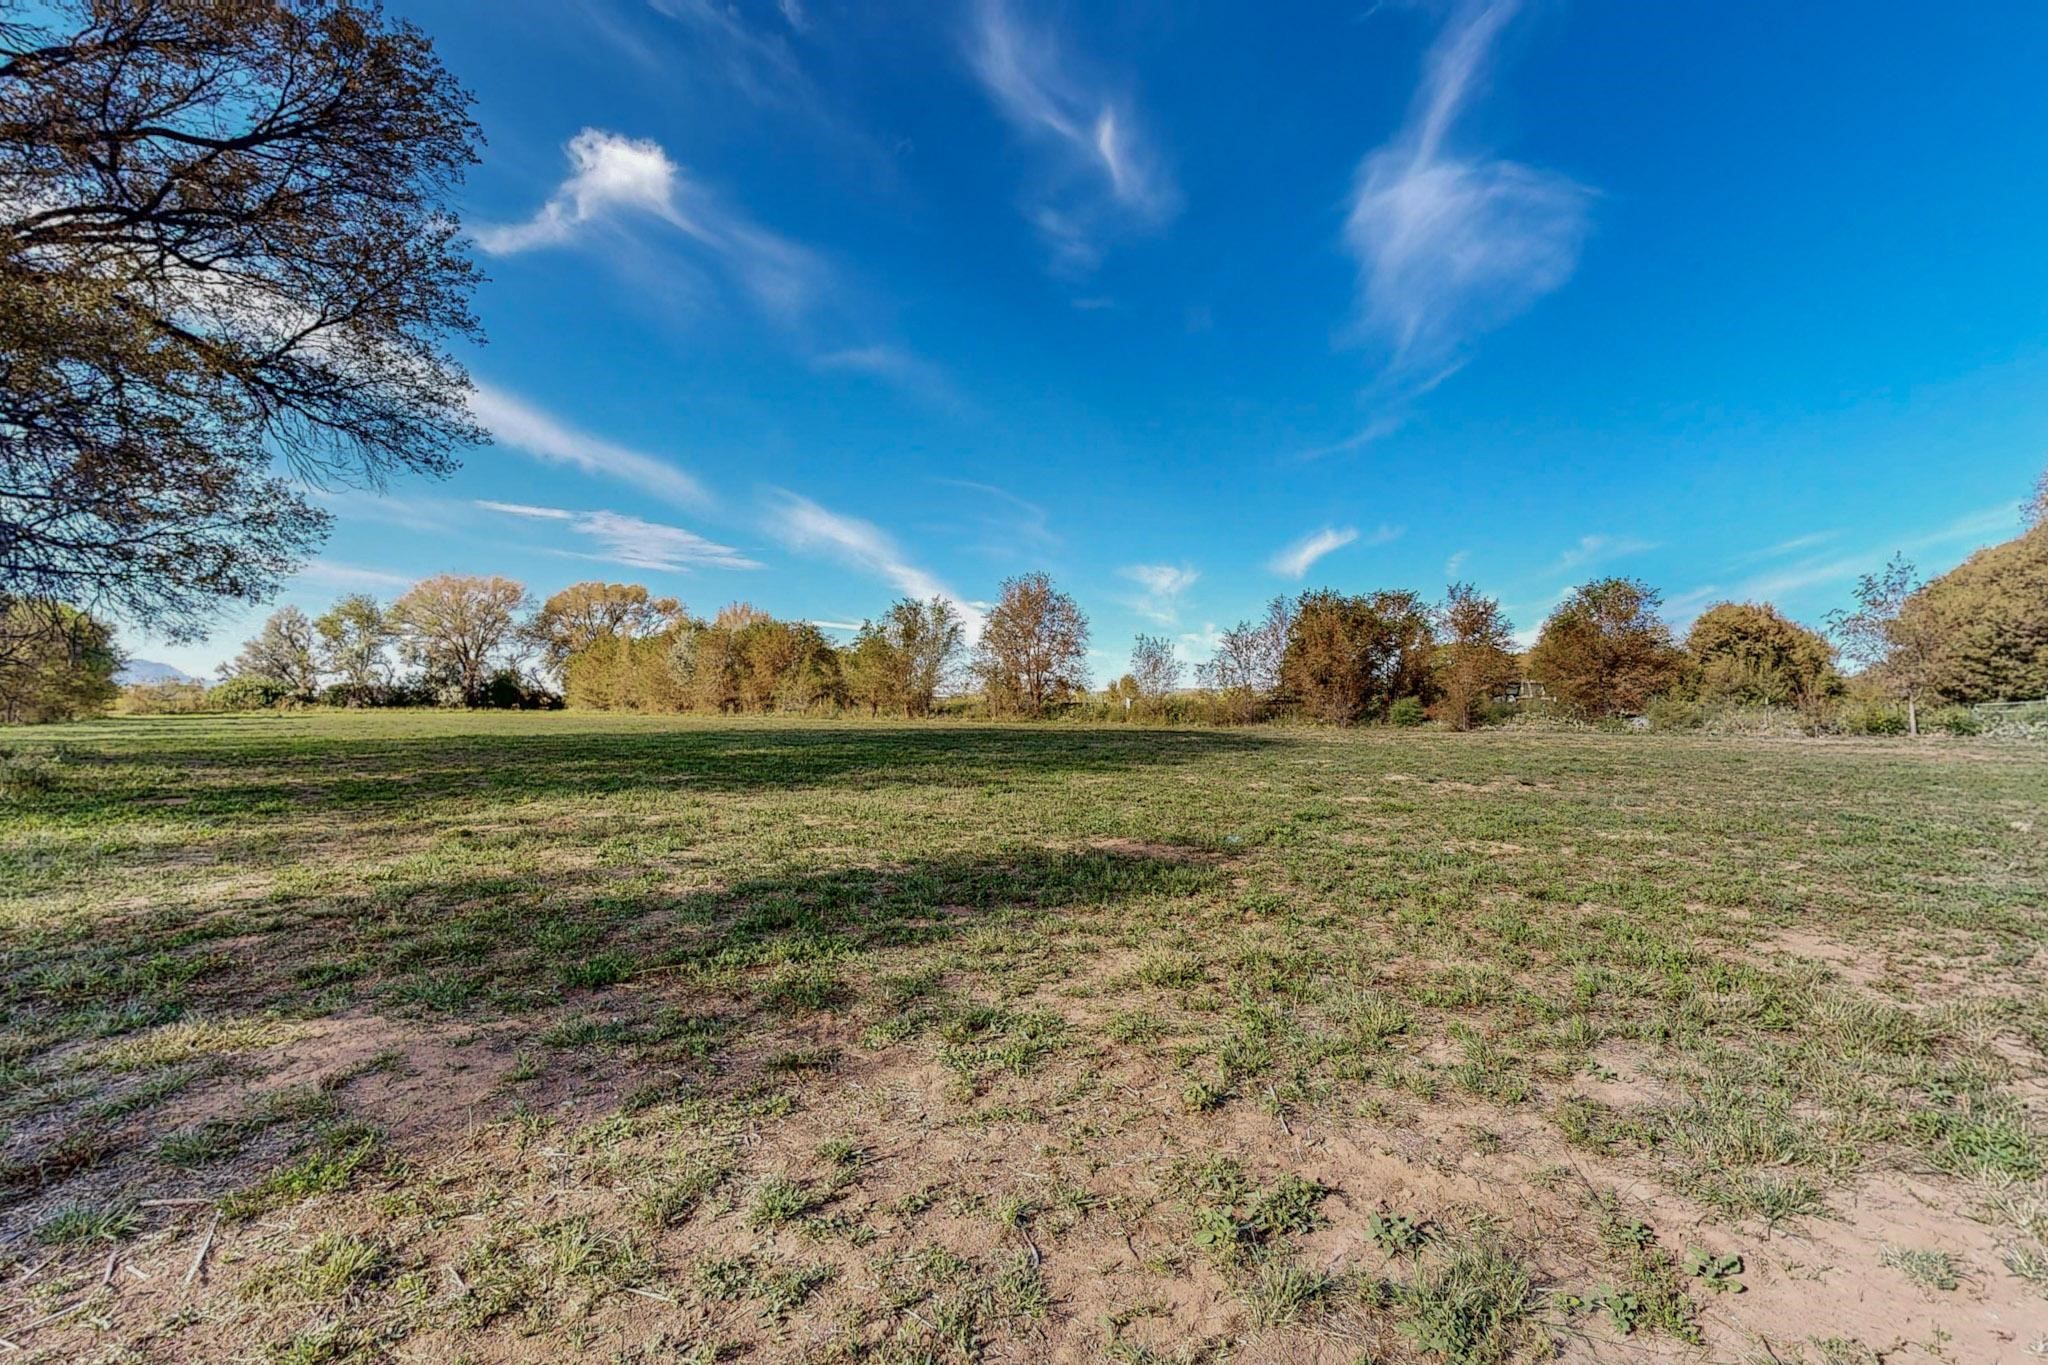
<point x="624" y="992"/>
<point x="270" y="767"/>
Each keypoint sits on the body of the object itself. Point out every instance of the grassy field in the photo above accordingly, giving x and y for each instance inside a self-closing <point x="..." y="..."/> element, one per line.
<point x="431" y="1037"/>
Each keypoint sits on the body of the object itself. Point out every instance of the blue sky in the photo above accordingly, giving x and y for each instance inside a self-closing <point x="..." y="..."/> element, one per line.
<point x="812" y="305"/>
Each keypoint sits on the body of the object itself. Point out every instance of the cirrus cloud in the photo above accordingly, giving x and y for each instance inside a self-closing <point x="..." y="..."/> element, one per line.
<point x="1451" y="244"/>
<point x="1103" y="173"/>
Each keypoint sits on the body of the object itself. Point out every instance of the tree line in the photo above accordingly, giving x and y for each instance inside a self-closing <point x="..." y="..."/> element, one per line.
<point x="1979" y="632"/>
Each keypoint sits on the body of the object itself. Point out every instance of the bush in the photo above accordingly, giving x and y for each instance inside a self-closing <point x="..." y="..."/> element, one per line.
<point x="1775" y="721"/>
<point x="1674" y="713"/>
<point x="2015" y="722"/>
<point x="508" y="691"/>
<point x="1870" y="718"/>
<point x="1407" y="711"/>
<point x="170" y="698"/>
<point x="248" y="693"/>
<point x="1955" y="720"/>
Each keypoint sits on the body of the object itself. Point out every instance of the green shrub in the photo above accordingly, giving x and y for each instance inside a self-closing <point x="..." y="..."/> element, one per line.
<point x="1674" y="713"/>
<point x="1955" y="720"/>
<point x="1870" y="718"/>
<point x="248" y="693"/>
<point x="1407" y="711"/>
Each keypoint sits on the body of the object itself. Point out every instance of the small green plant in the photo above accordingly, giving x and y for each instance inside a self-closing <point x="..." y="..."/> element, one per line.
<point x="1396" y="1234"/>
<point x="1718" y="1273"/>
<point x="1282" y="1292"/>
<point x="81" y="1224"/>
<point x="1623" y="1309"/>
<point x="1473" y="1308"/>
<point x="779" y="1200"/>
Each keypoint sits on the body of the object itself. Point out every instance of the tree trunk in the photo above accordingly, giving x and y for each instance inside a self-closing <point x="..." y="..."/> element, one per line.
<point x="1912" y="717"/>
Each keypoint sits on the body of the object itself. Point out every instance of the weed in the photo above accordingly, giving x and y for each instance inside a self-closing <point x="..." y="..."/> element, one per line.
<point x="81" y="1224"/>
<point x="1474" y="1306"/>
<point x="779" y="1200"/>
<point x="1929" y="1270"/>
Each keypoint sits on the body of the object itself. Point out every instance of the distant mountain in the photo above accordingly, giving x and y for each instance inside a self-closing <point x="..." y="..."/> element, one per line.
<point x="149" y="671"/>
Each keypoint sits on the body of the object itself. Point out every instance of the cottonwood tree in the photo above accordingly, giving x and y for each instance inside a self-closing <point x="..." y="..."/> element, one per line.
<point x="1475" y="656"/>
<point x="282" y="650"/>
<point x="459" y="629"/>
<point x="927" y="638"/>
<point x="581" y="614"/>
<point x="1605" y="651"/>
<point x="1033" y="648"/>
<point x="870" y="667"/>
<point x="228" y="265"/>
<point x="354" y="634"/>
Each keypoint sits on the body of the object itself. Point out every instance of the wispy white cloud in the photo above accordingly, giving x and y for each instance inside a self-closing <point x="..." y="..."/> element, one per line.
<point x="1787" y="547"/>
<point x="1164" y="584"/>
<point x="1455" y="563"/>
<point x="613" y="176"/>
<point x="1969" y="531"/>
<point x="805" y="526"/>
<point x="1298" y="558"/>
<point x="334" y="574"/>
<point x="1014" y="527"/>
<point x="526" y="509"/>
<point x="1382" y="425"/>
<point x="1196" y="645"/>
<point x="911" y="373"/>
<point x="835" y="625"/>
<point x="1598" y="549"/>
<point x="630" y="540"/>
<point x="1450" y="245"/>
<point x="759" y="63"/>
<point x="523" y="426"/>
<point x="1103" y="174"/>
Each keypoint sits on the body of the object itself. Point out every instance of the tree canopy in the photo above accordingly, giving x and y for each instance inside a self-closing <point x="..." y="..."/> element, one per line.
<point x="1749" y="652"/>
<point x="1985" y="623"/>
<point x="1605" y="651"/>
<point x="229" y="264"/>
<point x="1347" y="658"/>
<point x="1033" y="648"/>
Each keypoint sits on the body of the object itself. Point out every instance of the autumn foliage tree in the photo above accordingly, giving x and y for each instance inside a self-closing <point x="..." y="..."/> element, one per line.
<point x="1984" y="624"/>
<point x="1474" y="655"/>
<point x="1033" y="649"/>
<point x="460" y="629"/>
<point x="227" y="247"/>
<point x="1348" y="658"/>
<point x="1605" y="651"/>
<point x="1750" y="653"/>
<point x="582" y="614"/>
